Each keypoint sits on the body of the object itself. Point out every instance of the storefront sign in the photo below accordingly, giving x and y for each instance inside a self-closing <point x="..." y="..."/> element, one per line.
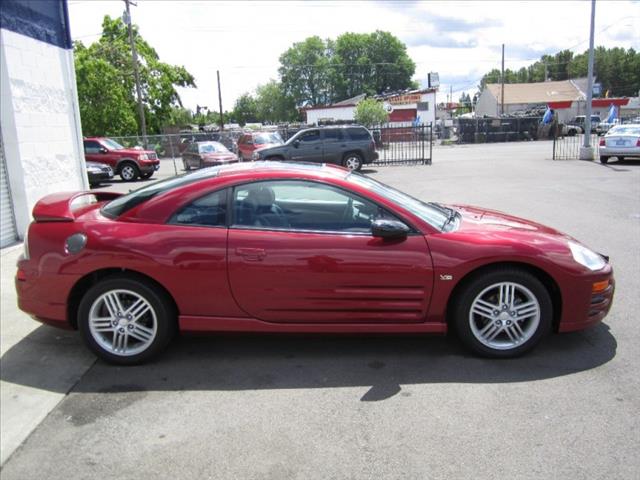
<point x="404" y="99"/>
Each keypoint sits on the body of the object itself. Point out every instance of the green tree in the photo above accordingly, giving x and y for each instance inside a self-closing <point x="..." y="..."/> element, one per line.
<point x="245" y="110"/>
<point x="315" y="71"/>
<point x="273" y="104"/>
<point x="111" y="54"/>
<point x="370" y="112"/>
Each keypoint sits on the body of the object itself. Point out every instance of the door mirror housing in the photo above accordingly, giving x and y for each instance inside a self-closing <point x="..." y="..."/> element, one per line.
<point x="103" y="150"/>
<point x="389" y="229"/>
<point x="296" y="143"/>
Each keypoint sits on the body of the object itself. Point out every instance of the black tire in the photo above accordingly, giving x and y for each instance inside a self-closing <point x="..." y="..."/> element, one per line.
<point x="462" y="318"/>
<point x="352" y="161"/>
<point x="162" y="307"/>
<point x="604" y="159"/>
<point x="144" y="176"/>
<point x="129" y="171"/>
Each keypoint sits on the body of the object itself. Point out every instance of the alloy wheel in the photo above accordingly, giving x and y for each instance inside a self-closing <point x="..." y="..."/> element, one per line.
<point x="128" y="172"/>
<point x="504" y="315"/>
<point x="352" y="162"/>
<point x="123" y="322"/>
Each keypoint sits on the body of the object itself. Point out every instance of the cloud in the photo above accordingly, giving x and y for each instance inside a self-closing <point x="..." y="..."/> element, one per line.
<point x="440" y="31"/>
<point x="438" y="41"/>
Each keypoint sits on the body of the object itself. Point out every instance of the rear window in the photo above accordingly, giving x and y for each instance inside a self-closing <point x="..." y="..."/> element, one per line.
<point x="359" y="133"/>
<point x="123" y="204"/>
<point x="625" y="130"/>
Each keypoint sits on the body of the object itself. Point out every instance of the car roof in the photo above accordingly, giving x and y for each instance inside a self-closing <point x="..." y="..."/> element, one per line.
<point x="280" y="167"/>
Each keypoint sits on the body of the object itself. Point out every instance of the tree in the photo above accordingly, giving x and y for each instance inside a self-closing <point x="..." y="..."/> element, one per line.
<point x="273" y="104"/>
<point x="317" y="72"/>
<point x="245" y="109"/>
<point x="370" y="112"/>
<point x="111" y="57"/>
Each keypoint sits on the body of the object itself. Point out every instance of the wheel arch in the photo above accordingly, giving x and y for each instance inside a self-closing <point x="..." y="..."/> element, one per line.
<point x="83" y="284"/>
<point x="124" y="161"/>
<point x="547" y="280"/>
<point x="357" y="151"/>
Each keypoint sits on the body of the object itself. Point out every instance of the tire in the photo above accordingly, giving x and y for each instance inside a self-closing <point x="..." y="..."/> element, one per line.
<point x="144" y="176"/>
<point x="129" y="172"/>
<point x="352" y="161"/>
<point x="492" y="329"/>
<point x="116" y="336"/>
<point x="604" y="159"/>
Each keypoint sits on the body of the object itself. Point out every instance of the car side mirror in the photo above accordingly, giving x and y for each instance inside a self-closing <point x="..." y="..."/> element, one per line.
<point x="103" y="150"/>
<point x="389" y="229"/>
<point x="296" y="143"/>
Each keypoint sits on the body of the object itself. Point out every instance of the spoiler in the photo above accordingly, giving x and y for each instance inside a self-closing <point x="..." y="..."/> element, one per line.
<point x="57" y="207"/>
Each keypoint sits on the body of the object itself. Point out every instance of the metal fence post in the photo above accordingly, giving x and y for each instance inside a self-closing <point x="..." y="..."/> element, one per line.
<point x="430" y="142"/>
<point x="173" y="156"/>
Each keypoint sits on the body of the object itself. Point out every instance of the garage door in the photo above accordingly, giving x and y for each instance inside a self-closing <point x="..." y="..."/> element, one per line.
<point x="7" y="221"/>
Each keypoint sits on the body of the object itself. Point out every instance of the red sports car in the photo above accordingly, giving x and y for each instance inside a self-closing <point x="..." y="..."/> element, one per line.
<point x="272" y="247"/>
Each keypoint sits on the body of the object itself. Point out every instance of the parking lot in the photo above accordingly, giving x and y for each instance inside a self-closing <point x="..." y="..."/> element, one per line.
<point x="362" y="407"/>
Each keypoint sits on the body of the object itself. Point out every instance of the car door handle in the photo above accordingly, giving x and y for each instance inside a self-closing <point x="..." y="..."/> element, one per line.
<point x="251" y="254"/>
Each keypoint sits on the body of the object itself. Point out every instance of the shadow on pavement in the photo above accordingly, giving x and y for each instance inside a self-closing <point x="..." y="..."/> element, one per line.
<point x="249" y="362"/>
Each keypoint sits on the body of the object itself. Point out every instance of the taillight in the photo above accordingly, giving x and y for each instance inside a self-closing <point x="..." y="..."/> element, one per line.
<point x="602" y="144"/>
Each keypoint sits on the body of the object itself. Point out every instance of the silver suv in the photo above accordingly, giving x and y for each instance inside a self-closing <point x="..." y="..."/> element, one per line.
<point x="351" y="146"/>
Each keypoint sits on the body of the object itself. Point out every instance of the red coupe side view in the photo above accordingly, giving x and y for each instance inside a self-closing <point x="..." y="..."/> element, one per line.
<point x="272" y="247"/>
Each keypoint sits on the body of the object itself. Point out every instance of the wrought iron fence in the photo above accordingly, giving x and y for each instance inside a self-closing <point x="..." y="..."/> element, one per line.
<point x="568" y="147"/>
<point x="498" y="129"/>
<point x="410" y="145"/>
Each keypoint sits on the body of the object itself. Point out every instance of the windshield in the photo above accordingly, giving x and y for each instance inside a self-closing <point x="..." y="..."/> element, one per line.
<point x="112" y="144"/>
<point x="212" y="147"/>
<point x="433" y="214"/>
<point x="625" y="130"/>
<point x="265" y="138"/>
<point x="122" y="204"/>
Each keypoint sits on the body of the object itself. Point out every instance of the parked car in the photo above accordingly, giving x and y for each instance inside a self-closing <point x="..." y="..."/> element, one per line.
<point x="351" y="146"/>
<point x="129" y="163"/>
<point x="579" y="120"/>
<point x="98" y="173"/>
<point x="622" y="141"/>
<point x="604" y="127"/>
<point x="276" y="247"/>
<point x="251" y="141"/>
<point x="206" y="154"/>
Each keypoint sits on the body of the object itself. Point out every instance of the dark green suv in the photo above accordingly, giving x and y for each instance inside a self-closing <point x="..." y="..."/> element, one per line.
<point x="351" y="146"/>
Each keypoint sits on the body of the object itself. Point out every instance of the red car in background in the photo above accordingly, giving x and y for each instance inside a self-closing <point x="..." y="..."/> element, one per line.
<point x="252" y="141"/>
<point x="274" y="247"/>
<point x="206" y="154"/>
<point x="129" y="163"/>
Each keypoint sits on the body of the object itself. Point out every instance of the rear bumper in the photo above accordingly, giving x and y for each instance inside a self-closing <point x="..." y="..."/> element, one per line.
<point x="372" y="157"/>
<point x="623" y="152"/>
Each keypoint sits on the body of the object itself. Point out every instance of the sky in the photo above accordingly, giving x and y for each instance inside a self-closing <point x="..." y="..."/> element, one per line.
<point x="461" y="40"/>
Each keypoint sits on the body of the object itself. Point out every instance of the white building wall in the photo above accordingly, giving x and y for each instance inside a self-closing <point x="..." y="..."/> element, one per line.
<point x="40" y="122"/>
<point x="339" y="113"/>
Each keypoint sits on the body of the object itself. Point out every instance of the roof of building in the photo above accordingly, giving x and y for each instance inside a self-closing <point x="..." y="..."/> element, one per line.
<point x="350" y="101"/>
<point x="541" y="92"/>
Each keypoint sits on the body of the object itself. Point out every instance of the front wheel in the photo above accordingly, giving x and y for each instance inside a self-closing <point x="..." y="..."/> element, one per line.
<point x="129" y="172"/>
<point x="503" y="314"/>
<point x="125" y="320"/>
<point x="352" y="161"/>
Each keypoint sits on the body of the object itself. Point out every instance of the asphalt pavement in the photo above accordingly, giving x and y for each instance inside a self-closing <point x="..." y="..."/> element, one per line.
<point x="358" y="407"/>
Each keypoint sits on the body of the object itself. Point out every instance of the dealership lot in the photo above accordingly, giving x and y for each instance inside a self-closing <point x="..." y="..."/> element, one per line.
<point x="359" y="407"/>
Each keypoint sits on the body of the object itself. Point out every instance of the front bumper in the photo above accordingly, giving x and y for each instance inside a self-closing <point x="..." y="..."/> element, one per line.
<point x="149" y="167"/>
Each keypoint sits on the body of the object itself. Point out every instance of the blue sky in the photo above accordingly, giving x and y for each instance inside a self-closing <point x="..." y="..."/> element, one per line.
<point x="460" y="40"/>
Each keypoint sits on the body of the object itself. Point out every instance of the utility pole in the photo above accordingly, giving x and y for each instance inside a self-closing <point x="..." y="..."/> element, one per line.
<point x="136" y="74"/>
<point x="502" y="87"/>
<point x="220" y="102"/>
<point x="451" y="101"/>
<point x="586" y="152"/>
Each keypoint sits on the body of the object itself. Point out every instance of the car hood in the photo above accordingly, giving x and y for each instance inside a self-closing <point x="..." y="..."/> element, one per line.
<point x="269" y="145"/>
<point x="133" y="151"/>
<point x="482" y="220"/>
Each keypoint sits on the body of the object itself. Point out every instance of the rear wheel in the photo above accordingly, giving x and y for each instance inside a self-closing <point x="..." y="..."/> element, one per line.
<point x="503" y="313"/>
<point x="129" y="172"/>
<point x="125" y="320"/>
<point x="352" y="161"/>
<point x="604" y="159"/>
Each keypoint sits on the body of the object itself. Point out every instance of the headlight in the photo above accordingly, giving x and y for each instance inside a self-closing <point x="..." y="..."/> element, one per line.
<point x="144" y="156"/>
<point x="586" y="257"/>
<point x="94" y="170"/>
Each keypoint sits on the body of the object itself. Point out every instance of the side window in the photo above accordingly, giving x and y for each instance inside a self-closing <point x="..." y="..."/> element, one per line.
<point x="91" y="146"/>
<point x="302" y="205"/>
<point x="359" y="134"/>
<point x="312" y="136"/>
<point x="207" y="211"/>
<point x="333" y="135"/>
<point x="193" y="148"/>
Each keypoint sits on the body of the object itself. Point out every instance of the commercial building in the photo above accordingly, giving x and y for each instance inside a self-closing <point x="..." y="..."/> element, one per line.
<point x="41" y="140"/>
<point x="407" y="107"/>
<point x="567" y="97"/>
